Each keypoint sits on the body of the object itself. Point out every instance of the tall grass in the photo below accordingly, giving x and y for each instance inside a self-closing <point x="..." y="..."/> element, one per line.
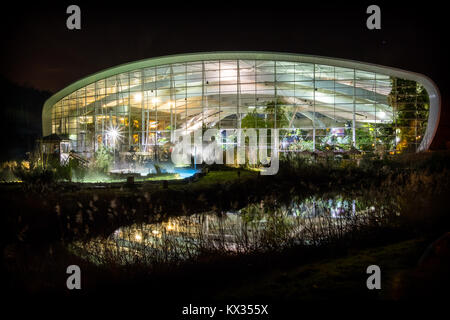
<point x="398" y="198"/>
<point x="256" y="229"/>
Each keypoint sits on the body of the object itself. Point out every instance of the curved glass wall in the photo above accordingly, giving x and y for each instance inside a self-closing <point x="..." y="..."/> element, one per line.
<point x="315" y="106"/>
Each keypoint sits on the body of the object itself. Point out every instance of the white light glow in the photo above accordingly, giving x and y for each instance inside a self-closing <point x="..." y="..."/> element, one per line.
<point x="137" y="97"/>
<point x="228" y="75"/>
<point x="381" y="114"/>
<point x="114" y="134"/>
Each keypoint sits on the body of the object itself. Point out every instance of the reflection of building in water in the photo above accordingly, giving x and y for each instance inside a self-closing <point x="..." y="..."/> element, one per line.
<point x="337" y="207"/>
<point x="231" y="227"/>
<point x="247" y="229"/>
<point x="189" y="230"/>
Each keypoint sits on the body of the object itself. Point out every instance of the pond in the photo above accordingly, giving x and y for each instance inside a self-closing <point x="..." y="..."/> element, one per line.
<point x="257" y="227"/>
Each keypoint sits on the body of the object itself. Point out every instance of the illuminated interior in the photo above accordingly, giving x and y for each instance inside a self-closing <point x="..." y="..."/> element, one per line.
<point x="316" y="106"/>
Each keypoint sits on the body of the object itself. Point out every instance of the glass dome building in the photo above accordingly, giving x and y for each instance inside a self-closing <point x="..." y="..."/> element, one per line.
<point x="317" y="103"/>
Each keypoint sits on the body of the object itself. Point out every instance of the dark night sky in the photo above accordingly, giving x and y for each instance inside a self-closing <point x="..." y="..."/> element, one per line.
<point x="40" y="51"/>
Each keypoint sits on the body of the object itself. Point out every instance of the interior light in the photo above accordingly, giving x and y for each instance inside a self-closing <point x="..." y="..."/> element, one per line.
<point x="227" y="74"/>
<point x="137" y="97"/>
<point x="114" y="134"/>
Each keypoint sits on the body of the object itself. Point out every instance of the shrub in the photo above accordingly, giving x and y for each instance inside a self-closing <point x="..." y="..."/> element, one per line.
<point x="157" y="168"/>
<point x="103" y="159"/>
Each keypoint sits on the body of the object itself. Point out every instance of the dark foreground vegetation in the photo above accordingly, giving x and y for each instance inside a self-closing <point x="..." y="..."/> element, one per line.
<point x="412" y="192"/>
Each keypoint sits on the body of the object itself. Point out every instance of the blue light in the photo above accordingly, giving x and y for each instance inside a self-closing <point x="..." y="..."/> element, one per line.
<point x="185" y="172"/>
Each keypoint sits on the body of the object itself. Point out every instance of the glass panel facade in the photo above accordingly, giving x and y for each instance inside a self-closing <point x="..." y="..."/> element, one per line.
<point x="317" y="107"/>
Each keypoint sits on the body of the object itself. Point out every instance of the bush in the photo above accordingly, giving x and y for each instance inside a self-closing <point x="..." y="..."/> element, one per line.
<point x="6" y="171"/>
<point x="35" y="175"/>
<point x="157" y="168"/>
<point x="103" y="159"/>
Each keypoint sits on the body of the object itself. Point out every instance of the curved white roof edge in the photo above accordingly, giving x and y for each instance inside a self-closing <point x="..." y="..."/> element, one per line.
<point x="428" y="84"/>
